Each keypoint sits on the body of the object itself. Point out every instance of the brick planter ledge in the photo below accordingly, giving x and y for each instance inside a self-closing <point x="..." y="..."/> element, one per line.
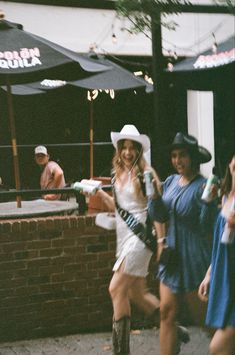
<point x="54" y="276"/>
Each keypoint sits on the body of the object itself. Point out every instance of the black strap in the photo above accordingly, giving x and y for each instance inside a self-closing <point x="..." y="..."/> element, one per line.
<point x="142" y="232"/>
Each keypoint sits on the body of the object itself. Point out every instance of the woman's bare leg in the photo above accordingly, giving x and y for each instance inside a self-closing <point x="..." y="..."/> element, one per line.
<point x="223" y="342"/>
<point x="196" y="308"/>
<point x="168" y="328"/>
<point x="118" y="289"/>
<point x="141" y="297"/>
<point x="119" y="292"/>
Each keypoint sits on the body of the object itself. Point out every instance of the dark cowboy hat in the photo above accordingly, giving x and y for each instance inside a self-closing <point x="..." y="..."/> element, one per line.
<point x="186" y="141"/>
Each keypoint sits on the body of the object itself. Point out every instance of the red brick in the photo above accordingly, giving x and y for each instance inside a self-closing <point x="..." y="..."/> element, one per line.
<point x="7" y="227"/>
<point x="50" y="252"/>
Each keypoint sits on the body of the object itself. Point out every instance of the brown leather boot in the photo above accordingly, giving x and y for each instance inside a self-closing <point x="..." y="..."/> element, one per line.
<point x="121" y="336"/>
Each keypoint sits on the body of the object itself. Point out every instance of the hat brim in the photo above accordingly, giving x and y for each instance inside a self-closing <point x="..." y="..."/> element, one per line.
<point x="203" y="155"/>
<point x="141" y="139"/>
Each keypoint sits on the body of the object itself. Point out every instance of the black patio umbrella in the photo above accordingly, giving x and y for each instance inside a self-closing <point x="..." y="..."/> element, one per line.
<point x="25" y="57"/>
<point x="117" y="78"/>
<point x="224" y="55"/>
<point x="206" y="70"/>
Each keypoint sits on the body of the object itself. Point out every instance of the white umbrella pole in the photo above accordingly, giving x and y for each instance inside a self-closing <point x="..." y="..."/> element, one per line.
<point x="13" y="140"/>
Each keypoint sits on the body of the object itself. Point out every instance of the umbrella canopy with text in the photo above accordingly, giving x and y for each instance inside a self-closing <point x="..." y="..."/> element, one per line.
<point x="25" y="57"/>
<point x="117" y="78"/>
<point x="208" y="60"/>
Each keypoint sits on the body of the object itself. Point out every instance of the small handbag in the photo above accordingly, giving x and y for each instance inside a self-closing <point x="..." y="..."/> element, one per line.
<point x="106" y="220"/>
<point x="168" y="258"/>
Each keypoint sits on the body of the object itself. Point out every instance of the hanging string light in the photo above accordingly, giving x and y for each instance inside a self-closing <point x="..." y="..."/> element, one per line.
<point x="148" y="79"/>
<point x="93" y="94"/>
<point x="214" y="45"/>
<point x="175" y="56"/>
<point x="114" y="37"/>
<point x="170" y="66"/>
<point x="138" y="73"/>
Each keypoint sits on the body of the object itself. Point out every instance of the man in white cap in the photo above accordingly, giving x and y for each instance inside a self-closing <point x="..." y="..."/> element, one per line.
<point x="52" y="176"/>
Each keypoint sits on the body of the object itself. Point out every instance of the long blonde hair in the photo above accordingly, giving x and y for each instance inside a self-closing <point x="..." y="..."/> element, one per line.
<point x="138" y="167"/>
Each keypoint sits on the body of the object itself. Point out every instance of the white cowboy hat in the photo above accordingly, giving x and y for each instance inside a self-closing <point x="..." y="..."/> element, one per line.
<point x="130" y="132"/>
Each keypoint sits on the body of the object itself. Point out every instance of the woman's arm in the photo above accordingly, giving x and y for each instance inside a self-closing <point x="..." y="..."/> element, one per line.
<point x="208" y="211"/>
<point x="160" y="229"/>
<point x="107" y="199"/>
<point x="204" y="286"/>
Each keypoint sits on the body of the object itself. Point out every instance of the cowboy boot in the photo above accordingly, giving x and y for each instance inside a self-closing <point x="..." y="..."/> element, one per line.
<point x="183" y="337"/>
<point x="183" y="334"/>
<point x="121" y="336"/>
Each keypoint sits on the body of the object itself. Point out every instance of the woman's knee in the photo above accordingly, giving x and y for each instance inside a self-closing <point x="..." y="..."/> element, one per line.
<point x="118" y="286"/>
<point x="113" y="288"/>
<point x="223" y="342"/>
<point x="168" y="312"/>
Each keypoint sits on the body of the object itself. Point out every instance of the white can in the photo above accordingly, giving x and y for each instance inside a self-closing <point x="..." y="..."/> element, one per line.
<point x="149" y="187"/>
<point x="207" y="193"/>
<point x="86" y="188"/>
<point x="227" y="236"/>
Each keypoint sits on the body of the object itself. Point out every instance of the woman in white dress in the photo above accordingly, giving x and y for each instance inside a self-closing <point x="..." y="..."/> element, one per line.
<point x="128" y="284"/>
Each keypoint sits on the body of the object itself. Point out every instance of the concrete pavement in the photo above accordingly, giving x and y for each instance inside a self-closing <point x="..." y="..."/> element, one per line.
<point x="143" y="342"/>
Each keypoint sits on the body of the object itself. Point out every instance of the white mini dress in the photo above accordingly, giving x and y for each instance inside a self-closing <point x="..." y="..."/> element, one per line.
<point x="129" y="247"/>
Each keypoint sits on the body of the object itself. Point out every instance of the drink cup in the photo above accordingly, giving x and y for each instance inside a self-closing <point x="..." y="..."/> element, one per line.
<point x="227" y="236"/>
<point x="207" y="195"/>
<point x="86" y="188"/>
<point x="149" y="187"/>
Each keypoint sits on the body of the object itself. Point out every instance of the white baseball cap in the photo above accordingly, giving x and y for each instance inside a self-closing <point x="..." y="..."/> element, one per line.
<point x="40" y="149"/>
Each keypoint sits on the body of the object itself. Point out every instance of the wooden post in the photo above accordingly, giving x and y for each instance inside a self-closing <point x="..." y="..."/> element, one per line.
<point x="13" y="140"/>
<point x="158" y="119"/>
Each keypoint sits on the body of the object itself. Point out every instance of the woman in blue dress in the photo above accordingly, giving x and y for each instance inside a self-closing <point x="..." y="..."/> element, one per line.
<point x="220" y="277"/>
<point x="190" y="222"/>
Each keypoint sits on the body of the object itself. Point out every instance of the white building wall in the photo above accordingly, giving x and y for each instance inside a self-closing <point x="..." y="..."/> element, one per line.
<point x="78" y="28"/>
<point x="201" y="123"/>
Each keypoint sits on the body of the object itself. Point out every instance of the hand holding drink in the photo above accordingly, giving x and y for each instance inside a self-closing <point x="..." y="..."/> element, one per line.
<point x="211" y="188"/>
<point x="229" y="233"/>
<point x="86" y="186"/>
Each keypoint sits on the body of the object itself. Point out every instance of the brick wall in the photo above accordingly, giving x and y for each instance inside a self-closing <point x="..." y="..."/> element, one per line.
<point x="54" y="276"/>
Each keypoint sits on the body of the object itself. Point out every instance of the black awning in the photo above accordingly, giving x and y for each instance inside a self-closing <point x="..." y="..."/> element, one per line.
<point x="225" y="55"/>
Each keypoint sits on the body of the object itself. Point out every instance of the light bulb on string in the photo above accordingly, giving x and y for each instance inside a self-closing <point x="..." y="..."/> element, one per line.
<point x="148" y="79"/>
<point x="175" y="56"/>
<point x="92" y="95"/>
<point x="214" y="45"/>
<point x="112" y="93"/>
<point x="214" y="48"/>
<point x="114" y="38"/>
<point x="138" y="73"/>
<point x="170" y="66"/>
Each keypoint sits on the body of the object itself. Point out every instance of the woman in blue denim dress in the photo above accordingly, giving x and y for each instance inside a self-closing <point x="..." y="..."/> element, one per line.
<point x="190" y="222"/>
<point x="220" y="277"/>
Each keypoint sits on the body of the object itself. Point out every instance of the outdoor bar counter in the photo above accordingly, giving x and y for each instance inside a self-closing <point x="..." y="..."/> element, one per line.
<point x="54" y="276"/>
